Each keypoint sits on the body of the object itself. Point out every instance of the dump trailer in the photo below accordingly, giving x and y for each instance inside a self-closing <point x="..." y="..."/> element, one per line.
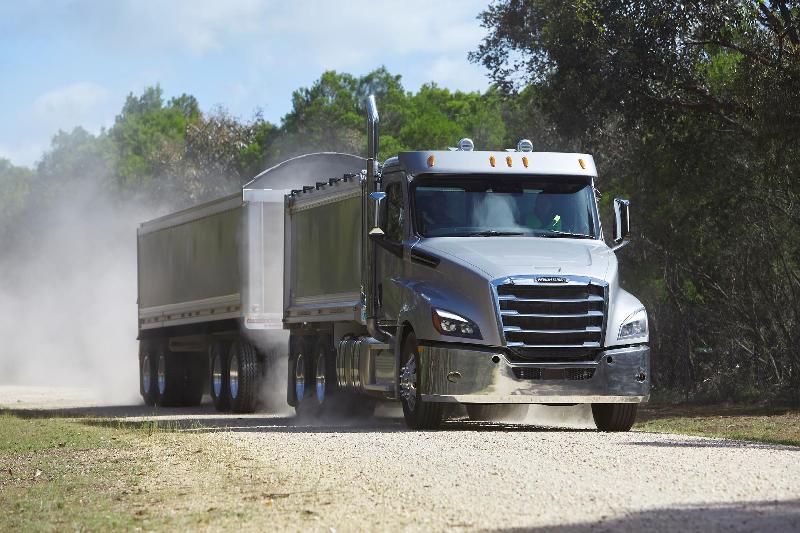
<point x="451" y="281"/>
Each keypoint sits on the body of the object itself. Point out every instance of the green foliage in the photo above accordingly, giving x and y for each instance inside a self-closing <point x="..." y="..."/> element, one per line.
<point x="144" y="129"/>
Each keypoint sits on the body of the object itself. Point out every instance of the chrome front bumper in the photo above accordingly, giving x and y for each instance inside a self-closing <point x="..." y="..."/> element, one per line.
<point x="618" y="375"/>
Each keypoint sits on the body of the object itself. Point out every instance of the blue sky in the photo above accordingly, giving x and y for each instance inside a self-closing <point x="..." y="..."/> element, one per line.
<point x="69" y="63"/>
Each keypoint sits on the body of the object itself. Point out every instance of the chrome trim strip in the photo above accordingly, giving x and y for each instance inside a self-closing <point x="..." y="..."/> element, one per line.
<point x="587" y="344"/>
<point x="193" y="213"/>
<point x="229" y="300"/>
<point x="511" y="312"/>
<point x="517" y="329"/>
<point x="512" y="298"/>
<point x="468" y="398"/>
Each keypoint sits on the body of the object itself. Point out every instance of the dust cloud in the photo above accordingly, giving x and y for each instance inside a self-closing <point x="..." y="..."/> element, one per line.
<point x="275" y="347"/>
<point x="68" y="292"/>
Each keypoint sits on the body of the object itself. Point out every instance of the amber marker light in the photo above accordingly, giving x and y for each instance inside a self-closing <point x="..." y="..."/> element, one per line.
<point x="492" y="160"/>
<point x="431" y="160"/>
<point x="509" y="161"/>
<point x="581" y="163"/>
<point x="525" y="161"/>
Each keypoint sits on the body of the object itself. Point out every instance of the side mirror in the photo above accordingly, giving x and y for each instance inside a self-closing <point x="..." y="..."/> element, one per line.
<point x="380" y="217"/>
<point x="622" y="223"/>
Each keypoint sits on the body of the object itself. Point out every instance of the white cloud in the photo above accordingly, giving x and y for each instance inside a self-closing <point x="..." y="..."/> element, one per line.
<point x="346" y="35"/>
<point x="83" y="103"/>
<point x="23" y="153"/>
<point x="454" y="72"/>
<point x="70" y="102"/>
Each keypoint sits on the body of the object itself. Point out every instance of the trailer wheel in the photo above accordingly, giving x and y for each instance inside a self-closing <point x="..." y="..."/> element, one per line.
<point x="614" y="416"/>
<point x="147" y="373"/>
<point x="169" y="377"/>
<point x="218" y="376"/>
<point x="497" y="412"/>
<point x="244" y="377"/>
<point x="418" y="413"/>
<point x="295" y="349"/>
<point x="308" y="385"/>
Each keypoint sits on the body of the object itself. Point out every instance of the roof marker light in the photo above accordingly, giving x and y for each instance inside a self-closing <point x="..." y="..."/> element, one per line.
<point x="466" y="145"/>
<point x="525" y="161"/>
<point x="581" y="163"/>
<point x="492" y="160"/>
<point x="431" y="160"/>
<point x="509" y="161"/>
<point x="525" y="145"/>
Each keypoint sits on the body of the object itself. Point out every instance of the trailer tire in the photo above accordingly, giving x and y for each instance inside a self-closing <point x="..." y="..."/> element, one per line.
<point x="244" y="377"/>
<point x="497" y="412"/>
<point x="418" y="414"/>
<point x="614" y="416"/>
<point x="295" y="347"/>
<point x="218" y="375"/>
<point x="147" y="373"/>
<point x="304" y="378"/>
<point x="170" y="377"/>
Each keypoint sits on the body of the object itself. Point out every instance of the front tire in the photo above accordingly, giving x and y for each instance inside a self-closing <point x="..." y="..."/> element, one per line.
<point x="418" y="413"/>
<point x="614" y="416"/>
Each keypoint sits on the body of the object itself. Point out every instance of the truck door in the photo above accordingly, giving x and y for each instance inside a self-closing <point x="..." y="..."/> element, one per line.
<point x="390" y="259"/>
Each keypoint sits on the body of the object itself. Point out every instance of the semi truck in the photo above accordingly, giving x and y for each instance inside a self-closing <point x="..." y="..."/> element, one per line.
<point x="451" y="281"/>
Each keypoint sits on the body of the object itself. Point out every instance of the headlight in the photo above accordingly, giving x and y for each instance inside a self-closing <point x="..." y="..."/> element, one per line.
<point x="448" y="323"/>
<point x="634" y="326"/>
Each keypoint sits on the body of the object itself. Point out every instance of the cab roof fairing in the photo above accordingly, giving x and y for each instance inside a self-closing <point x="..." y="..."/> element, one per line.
<point x="458" y="162"/>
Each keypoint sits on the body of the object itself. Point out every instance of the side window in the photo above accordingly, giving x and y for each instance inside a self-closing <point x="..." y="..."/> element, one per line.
<point x="394" y="212"/>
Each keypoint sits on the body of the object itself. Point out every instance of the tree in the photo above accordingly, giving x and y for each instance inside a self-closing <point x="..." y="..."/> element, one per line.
<point x="693" y="112"/>
<point x="142" y="130"/>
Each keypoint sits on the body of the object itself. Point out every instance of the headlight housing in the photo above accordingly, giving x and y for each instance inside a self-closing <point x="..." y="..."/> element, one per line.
<point x="635" y="325"/>
<point x="454" y="325"/>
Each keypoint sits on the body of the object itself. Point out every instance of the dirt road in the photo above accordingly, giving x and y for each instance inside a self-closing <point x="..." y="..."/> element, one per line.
<point x="376" y="475"/>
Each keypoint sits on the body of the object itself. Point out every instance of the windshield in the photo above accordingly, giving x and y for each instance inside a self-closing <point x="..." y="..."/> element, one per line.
<point x="541" y="206"/>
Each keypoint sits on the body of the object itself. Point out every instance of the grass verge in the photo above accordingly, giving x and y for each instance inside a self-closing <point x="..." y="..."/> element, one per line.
<point x="60" y="474"/>
<point x="758" y="424"/>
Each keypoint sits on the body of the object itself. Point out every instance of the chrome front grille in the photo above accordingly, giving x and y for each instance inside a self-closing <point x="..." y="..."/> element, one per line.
<point x="555" y="318"/>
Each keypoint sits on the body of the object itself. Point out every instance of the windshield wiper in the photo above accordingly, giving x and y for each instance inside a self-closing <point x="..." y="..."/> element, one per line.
<point x="556" y="234"/>
<point x="494" y="233"/>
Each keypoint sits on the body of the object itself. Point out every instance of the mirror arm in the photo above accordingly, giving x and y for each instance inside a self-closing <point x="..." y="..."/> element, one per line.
<point x="621" y="244"/>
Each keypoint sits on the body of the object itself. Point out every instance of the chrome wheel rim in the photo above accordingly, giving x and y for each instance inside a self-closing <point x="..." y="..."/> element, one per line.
<point x="162" y="374"/>
<point x="216" y="376"/>
<point x="408" y="383"/>
<point x="320" y="382"/>
<point x="300" y="378"/>
<point x="146" y="377"/>
<point x="233" y="380"/>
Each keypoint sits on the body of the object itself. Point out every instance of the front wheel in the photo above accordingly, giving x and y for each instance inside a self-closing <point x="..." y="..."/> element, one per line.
<point x="418" y="413"/>
<point x="614" y="416"/>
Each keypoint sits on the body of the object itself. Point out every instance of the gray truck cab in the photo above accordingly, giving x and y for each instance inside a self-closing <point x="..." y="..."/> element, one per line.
<point x="496" y="262"/>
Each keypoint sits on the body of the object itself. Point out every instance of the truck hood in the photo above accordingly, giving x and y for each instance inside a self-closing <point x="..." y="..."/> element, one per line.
<point x="498" y="257"/>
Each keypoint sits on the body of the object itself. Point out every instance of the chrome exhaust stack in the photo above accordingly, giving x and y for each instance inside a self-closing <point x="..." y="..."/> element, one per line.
<point x="373" y="175"/>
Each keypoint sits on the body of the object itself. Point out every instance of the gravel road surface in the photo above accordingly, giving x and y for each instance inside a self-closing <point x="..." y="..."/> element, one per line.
<point x="376" y="475"/>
